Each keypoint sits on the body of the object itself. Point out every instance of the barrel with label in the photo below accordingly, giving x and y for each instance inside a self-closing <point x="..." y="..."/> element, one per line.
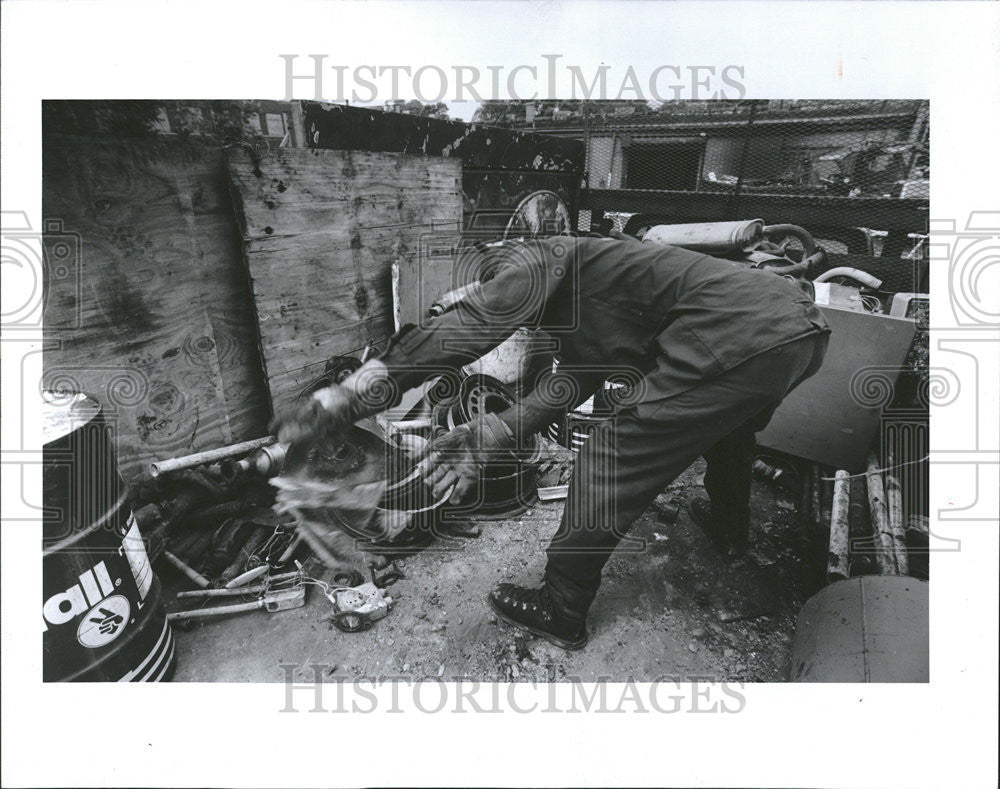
<point x="102" y="612"/>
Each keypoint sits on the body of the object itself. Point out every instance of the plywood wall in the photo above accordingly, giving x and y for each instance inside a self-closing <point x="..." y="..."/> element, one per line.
<point x="150" y="312"/>
<point x="500" y="166"/>
<point x="321" y="231"/>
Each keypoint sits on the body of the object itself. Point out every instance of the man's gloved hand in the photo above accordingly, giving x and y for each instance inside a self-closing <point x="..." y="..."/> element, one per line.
<point x="318" y="418"/>
<point x="456" y="458"/>
<point x="322" y="417"/>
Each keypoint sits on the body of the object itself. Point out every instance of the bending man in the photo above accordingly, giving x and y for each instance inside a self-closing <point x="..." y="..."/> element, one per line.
<point x="716" y="346"/>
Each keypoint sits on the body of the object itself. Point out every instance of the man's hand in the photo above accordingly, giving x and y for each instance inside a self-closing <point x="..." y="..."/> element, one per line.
<point x="327" y="413"/>
<point x="455" y="459"/>
<point x="317" y="419"/>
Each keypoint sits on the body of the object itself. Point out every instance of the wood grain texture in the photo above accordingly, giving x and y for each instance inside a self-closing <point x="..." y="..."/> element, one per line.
<point x="500" y="166"/>
<point x="150" y="313"/>
<point x="321" y="230"/>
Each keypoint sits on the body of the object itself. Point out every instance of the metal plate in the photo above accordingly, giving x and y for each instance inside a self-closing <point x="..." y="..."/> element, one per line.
<point x="833" y="417"/>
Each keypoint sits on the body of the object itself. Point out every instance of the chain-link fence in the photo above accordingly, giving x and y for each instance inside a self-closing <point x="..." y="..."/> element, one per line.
<point x="855" y="174"/>
<point x="841" y="148"/>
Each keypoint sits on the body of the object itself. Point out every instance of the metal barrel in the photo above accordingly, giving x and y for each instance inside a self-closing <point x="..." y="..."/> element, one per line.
<point x="714" y="238"/>
<point x="873" y="628"/>
<point x="102" y="613"/>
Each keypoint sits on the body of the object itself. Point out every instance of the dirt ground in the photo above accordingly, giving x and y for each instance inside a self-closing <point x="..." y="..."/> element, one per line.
<point x="671" y="607"/>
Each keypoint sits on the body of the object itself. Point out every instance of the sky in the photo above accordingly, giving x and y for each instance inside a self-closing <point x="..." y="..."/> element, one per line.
<point x="462" y="110"/>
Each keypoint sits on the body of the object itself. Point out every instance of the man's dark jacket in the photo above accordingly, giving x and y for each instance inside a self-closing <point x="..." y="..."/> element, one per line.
<point x="613" y="304"/>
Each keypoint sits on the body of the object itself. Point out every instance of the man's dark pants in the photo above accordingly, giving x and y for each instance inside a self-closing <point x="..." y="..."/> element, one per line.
<point x="628" y="462"/>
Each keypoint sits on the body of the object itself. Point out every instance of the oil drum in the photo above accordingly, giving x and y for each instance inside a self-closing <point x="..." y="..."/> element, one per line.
<point x="102" y="611"/>
<point x="874" y="628"/>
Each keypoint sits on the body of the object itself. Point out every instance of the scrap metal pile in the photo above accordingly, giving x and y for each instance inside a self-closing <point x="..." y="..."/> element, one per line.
<point x="250" y="526"/>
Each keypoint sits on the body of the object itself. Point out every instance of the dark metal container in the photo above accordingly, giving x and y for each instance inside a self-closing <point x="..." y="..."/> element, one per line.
<point x="102" y="612"/>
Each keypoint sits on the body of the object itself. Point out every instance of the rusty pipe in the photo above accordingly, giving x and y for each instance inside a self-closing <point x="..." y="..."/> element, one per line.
<point x="266" y="462"/>
<point x="837" y="557"/>
<point x="885" y="556"/>
<point x="208" y="456"/>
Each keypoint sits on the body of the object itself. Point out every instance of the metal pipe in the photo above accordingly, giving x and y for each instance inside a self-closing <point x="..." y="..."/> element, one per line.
<point x="711" y="237"/>
<point x="836" y="567"/>
<point x="266" y="462"/>
<point x="448" y="301"/>
<point x="894" y="496"/>
<point x="413" y="424"/>
<point x="884" y="554"/>
<point x="854" y="273"/>
<point x="292" y="547"/>
<point x="190" y="572"/>
<point x="225" y="591"/>
<point x="208" y="456"/>
<point x="859" y="527"/>
<point x="815" y="489"/>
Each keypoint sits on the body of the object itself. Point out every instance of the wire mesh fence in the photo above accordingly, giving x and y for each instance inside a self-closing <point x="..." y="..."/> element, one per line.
<point x="837" y="148"/>
<point x="855" y="173"/>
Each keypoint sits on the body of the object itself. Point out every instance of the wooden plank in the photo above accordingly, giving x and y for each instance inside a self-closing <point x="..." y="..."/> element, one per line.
<point x="500" y="166"/>
<point x="423" y="279"/>
<point x="153" y="316"/>
<point x="321" y="230"/>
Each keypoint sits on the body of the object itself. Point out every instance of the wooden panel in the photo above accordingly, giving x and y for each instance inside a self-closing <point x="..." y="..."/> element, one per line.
<point x="152" y="316"/>
<point x="321" y="230"/>
<point x="501" y="166"/>
<point x="832" y="417"/>
<point x="423" y="279"/>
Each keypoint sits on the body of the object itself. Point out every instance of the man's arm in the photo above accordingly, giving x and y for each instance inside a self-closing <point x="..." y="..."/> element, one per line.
<point x="526" y="278"/>
<point x="554" y="394"/>
<point x="515" y="297"/>
<point x="452" y="461"/>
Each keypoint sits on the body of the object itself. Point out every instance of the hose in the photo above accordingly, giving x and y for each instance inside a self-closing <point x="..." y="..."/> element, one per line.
<point x="803" y="235"/>
<point x="854" y="273"/>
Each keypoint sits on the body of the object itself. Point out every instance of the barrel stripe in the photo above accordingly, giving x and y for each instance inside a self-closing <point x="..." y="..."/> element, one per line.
<point x="160" y="658"/>
<point x="152" y="653"/>
<point x="166" y="664"/>
<point x="90" y="590"/>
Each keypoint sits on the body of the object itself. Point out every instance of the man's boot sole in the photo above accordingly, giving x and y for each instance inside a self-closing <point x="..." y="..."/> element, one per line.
<point x="559" y="642"/>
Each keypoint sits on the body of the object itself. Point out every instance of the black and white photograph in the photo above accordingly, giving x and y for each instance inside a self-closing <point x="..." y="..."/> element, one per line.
<point x="378" y="403"/>
<point x="545" y="373"/>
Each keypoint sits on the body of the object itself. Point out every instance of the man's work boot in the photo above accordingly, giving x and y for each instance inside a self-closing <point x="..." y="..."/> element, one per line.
<point x="728" y="540"/>
<point x="535" y="611"/>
